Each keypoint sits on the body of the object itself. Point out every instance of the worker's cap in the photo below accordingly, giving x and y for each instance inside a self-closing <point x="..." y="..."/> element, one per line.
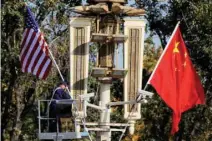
<point x="63" y="83"/>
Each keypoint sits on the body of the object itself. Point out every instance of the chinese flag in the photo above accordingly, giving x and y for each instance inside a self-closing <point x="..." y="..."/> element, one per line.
<point x="176" y="80"/>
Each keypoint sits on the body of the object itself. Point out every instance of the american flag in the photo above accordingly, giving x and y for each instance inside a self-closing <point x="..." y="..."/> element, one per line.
<point x="34" y="49"/>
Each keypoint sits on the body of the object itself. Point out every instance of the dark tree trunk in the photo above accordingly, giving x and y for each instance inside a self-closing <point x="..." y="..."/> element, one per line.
<point x="8" y="101"/>
<point x="16" y="132"/>
<point x="17" y="124"/>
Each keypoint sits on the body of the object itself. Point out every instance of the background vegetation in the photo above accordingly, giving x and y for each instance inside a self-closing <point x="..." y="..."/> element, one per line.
<point x="20" y="92"/>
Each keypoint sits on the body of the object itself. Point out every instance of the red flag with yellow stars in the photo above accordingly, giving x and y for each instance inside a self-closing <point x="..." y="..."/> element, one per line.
<point x="176" y="80"/>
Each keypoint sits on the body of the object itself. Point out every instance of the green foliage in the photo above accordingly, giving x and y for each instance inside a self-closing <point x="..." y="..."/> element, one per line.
<point x="20" y="91"/>
<point x="117" y="112"/>
<point x="156" y="119"/>
<point x="195" y="16"/>
<point x="151" y="55"/>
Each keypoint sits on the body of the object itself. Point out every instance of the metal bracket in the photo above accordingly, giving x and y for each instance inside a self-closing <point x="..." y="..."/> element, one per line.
<point x="86" y="97"/>
<point x="142" y="94"/>
<point x="58" y="138"/>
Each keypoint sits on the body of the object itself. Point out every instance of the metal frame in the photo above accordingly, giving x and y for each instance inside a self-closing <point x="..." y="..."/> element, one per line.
<point x="56" y="136"/>
<point x="59" y="136"/>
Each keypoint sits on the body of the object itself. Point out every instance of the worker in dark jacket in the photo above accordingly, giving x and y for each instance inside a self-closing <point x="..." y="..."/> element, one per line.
<point x="57" y="111"/>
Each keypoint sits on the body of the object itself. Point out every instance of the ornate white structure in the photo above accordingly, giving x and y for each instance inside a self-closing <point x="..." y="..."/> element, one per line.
<point x="101" y="22"/>
<point x="108" y="23"/>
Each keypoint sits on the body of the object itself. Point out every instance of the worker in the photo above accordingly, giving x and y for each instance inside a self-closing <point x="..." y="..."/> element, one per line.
<point x="58" y="111"/>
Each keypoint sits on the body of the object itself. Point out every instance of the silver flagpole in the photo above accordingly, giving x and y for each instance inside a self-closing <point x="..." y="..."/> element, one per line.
<point x="54" y="59"/>
<point x="162" y="55"/>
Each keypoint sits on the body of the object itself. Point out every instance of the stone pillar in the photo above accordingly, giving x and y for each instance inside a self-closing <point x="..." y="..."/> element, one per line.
<point x="80" y="28"/>
<point x="133" y="62"/>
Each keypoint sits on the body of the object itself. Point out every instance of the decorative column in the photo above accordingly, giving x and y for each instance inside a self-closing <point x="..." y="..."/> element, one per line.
<point x="134" y="28"/>
<point x="80" y="28"/>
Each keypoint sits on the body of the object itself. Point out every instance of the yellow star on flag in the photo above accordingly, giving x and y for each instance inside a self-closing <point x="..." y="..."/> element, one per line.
<point x="185" y="55"/>
<point x="184" y="64"/>
<point x="175" y="50"/>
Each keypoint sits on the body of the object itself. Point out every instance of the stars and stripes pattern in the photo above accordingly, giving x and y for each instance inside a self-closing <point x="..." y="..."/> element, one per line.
<point x="34" y="55"/>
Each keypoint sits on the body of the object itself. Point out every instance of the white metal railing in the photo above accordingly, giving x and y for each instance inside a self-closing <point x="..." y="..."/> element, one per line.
<point x="57" y="136"/>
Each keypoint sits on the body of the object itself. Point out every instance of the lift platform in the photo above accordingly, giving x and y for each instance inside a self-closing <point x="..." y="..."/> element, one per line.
<point x="44" y="120"/>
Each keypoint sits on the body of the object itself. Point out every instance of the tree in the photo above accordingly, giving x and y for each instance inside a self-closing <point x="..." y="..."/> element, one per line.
<point x="21" y="91"/>
<point x="196" y="28"/>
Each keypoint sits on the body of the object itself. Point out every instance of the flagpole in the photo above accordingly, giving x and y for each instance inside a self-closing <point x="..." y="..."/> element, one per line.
<point x="162" y="55"/>
<point x="54" y="59"/>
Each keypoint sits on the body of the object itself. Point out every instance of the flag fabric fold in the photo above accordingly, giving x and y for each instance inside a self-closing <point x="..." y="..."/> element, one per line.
<point x="176" y="80"/>
<point x="34" y="55"/>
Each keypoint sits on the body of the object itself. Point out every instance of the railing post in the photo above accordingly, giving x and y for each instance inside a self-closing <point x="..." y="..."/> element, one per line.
<point x="39" y="127"/>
